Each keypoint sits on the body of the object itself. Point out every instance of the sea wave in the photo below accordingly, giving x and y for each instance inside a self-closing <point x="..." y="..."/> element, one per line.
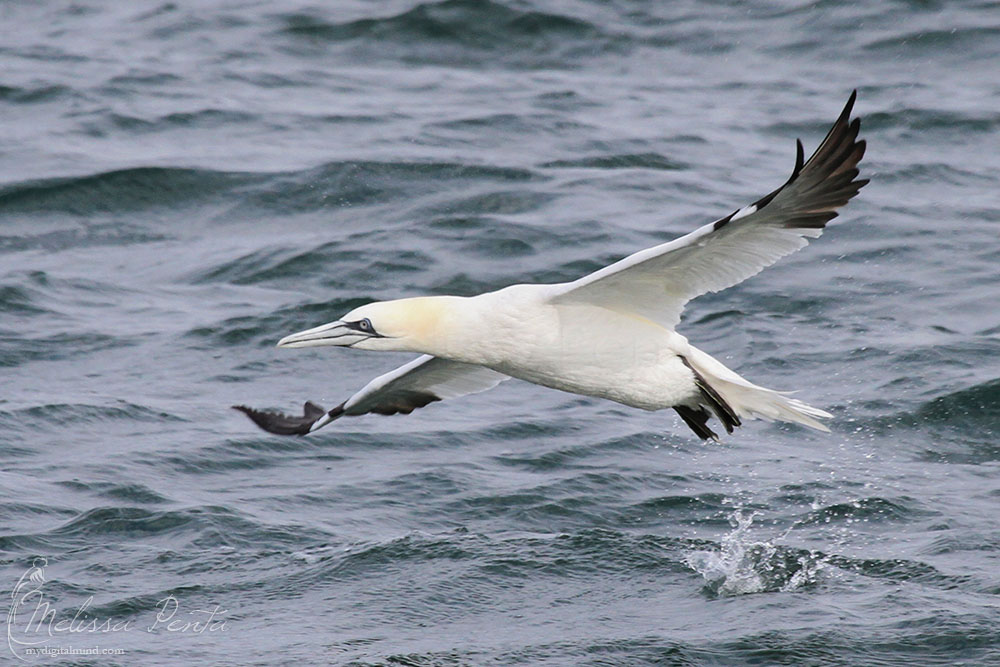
<point x="439" y="31"/>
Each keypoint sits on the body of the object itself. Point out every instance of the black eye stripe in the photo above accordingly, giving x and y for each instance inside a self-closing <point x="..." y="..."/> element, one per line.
<point x="364" y="326"/>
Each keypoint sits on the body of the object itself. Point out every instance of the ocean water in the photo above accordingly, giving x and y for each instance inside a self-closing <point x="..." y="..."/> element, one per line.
<point x="183" y="183"/>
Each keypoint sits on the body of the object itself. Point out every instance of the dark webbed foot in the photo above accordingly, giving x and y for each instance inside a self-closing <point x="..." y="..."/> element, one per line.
<point x="280" y="423"/>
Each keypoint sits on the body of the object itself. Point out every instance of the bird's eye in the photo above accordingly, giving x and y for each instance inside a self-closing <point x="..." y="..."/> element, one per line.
<point x="366" y="325"/>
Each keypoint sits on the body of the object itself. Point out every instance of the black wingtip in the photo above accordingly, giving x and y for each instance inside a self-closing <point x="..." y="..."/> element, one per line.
<point x="800" y="159"/>
<point x="311" y="410"/>
<point x="849" y="107"/>
<point x="281" y="424"/>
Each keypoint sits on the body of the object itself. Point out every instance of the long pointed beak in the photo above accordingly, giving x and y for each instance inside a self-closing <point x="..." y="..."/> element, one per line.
<point x="334" y="333"/>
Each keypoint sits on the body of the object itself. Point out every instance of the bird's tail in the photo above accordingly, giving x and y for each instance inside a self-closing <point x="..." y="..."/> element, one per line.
<point x="746" y="399"/>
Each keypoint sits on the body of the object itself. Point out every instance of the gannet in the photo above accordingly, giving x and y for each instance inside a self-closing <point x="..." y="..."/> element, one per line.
<point x="609" y="334"/>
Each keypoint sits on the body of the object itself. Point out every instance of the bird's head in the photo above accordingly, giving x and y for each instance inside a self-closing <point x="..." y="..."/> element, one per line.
<point x="410" y="325"/>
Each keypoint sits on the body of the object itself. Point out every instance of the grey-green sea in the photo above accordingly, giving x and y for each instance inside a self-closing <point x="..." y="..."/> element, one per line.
<point x="184" y="183"/>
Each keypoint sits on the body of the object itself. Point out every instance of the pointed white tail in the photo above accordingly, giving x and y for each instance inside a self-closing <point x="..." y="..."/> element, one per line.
<point x="749" y="400"/>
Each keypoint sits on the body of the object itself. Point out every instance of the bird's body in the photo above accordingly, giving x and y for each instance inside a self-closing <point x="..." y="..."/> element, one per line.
<point x="579" y="348"/>
<point x="609" y="334"/>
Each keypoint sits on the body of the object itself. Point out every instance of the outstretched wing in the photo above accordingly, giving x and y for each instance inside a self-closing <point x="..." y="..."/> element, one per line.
<point x="657" y="282"/>
<point x="422" y="381"/>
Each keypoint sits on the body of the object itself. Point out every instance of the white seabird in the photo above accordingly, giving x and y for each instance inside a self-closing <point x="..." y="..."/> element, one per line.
<point x="609" y="334"/>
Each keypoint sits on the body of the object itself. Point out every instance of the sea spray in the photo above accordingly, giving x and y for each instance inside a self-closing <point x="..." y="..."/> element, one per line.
<point x="742" y="565"/>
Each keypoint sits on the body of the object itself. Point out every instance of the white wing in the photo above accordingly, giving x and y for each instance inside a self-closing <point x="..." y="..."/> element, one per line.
<point x="657" y="282"/>
<point x="413" y="385"/>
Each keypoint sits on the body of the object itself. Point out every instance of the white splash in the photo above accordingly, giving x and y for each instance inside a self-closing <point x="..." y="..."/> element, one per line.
<point x="743" y="566"/>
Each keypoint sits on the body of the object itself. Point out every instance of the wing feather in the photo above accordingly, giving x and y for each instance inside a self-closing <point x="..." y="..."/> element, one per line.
<point x="420" y="382"/>
<point x="658" y="282"/>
